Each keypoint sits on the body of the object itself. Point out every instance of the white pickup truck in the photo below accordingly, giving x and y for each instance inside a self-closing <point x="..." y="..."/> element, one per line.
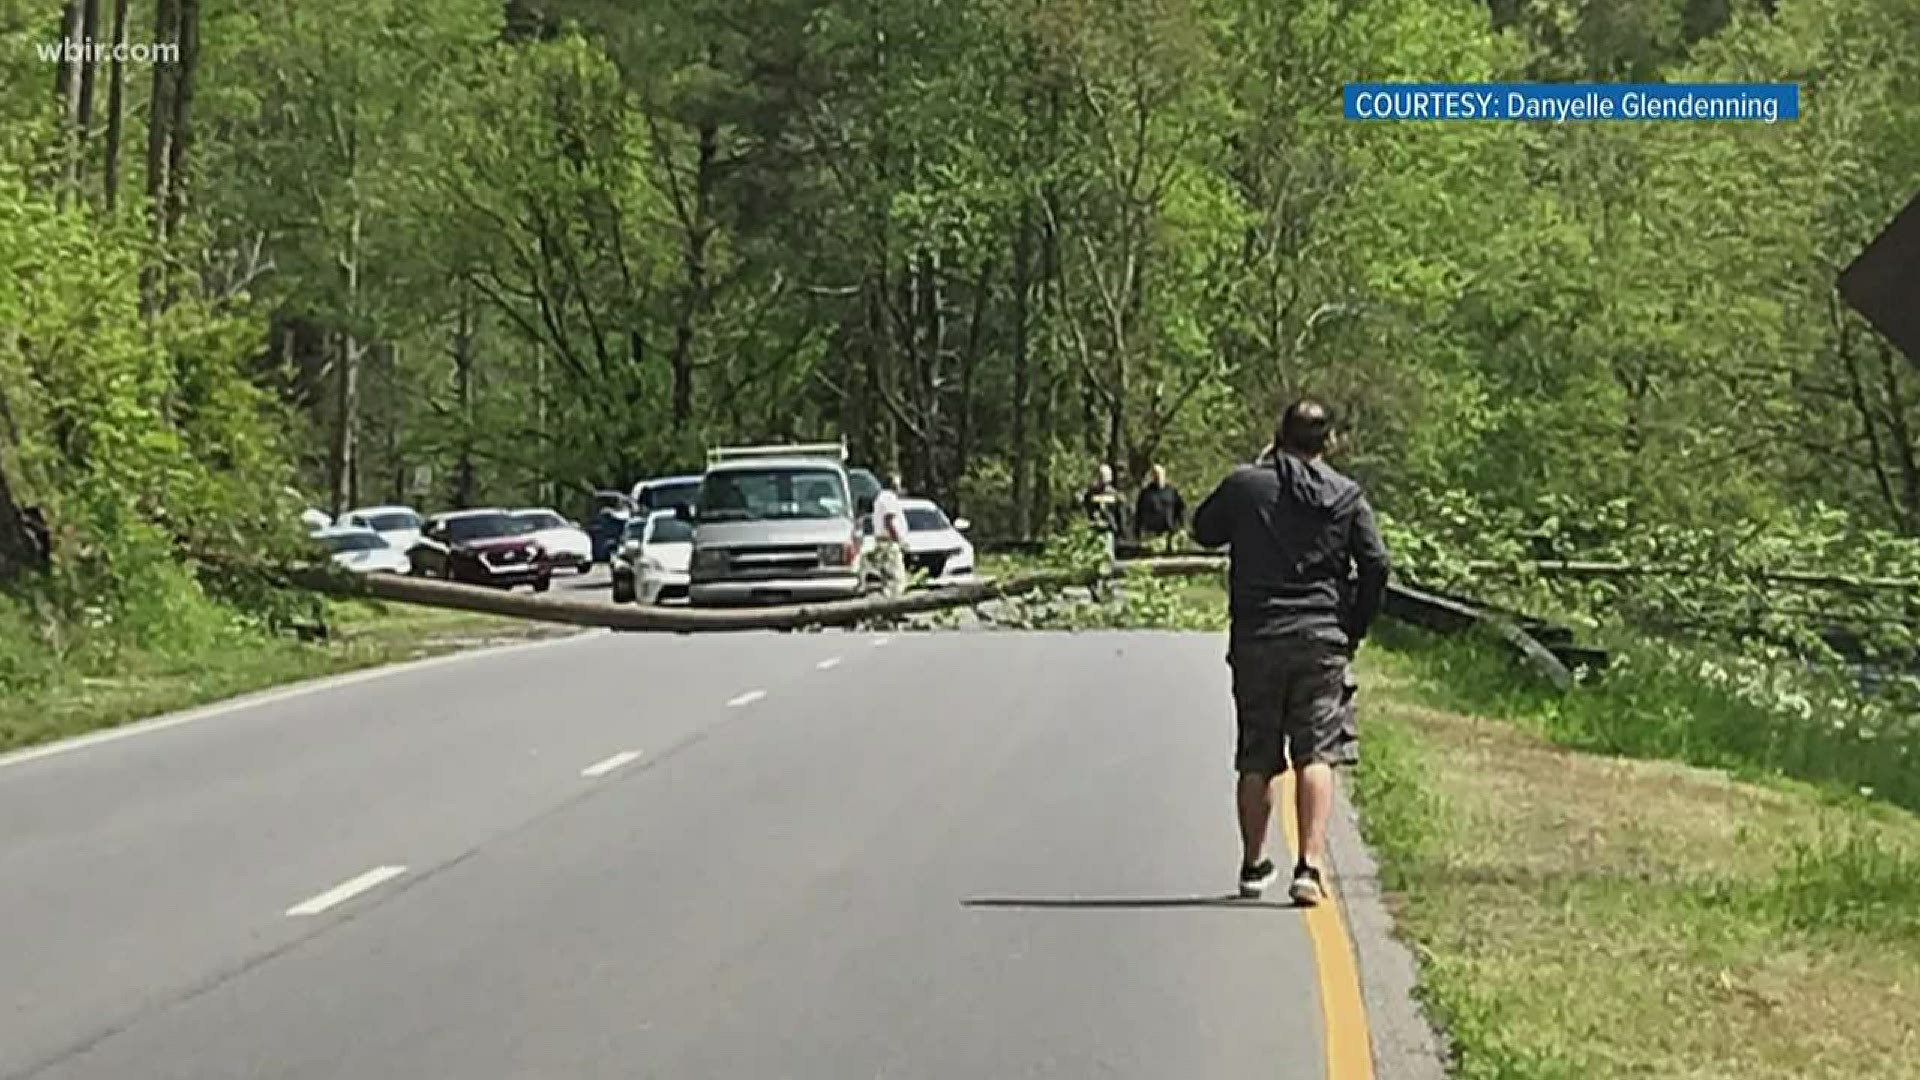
<point x="774" y="524"/>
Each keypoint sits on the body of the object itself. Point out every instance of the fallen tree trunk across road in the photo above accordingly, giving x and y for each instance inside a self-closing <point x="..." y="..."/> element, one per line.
<point x="636" y="617"/>
<point x="646" y="617"/>
<point x="1444" y="614"/>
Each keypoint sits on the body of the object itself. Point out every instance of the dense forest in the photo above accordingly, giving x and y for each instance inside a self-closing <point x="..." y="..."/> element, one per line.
<point x="457" y="252"/>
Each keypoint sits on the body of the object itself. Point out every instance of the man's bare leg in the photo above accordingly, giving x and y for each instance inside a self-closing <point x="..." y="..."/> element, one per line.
<point x="1256" y="811"/>
<point x="1313" y="800"/>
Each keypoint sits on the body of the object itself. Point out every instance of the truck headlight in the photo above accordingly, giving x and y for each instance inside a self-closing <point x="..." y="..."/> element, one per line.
<point x="710" y="559"/>
<point x="841" y="554"/>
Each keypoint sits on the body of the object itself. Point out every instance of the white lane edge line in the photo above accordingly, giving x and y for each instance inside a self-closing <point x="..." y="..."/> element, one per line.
<point x="272" y="696"/>
<point x="828" y="664"/>
<point x="607" y="765"/>
<point x="346" y="890"/>
<point x="747" y="698"/>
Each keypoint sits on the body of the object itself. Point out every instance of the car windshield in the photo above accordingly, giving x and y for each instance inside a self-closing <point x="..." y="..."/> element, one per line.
<point x="486" y="526"/>
<point x="772" y="494"/>
<point x="543" y="519"/>
<point x="668" y="496"/>
<point x="391" y="520"/>
<point x="669" y="530"/>
<point x="354" y="542"/>
<point x="634" y="530"/>
<point x="927" y="520"/>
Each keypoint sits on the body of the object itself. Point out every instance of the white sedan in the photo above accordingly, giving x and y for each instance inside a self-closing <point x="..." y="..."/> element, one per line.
<point x="565" y="543"/>
<point x="362" y="551"/>
<point x="935" y="545"/>
<point x="653" y="561"/>
<point x="399" y="526"/>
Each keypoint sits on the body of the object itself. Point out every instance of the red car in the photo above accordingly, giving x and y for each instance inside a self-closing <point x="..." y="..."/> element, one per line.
<point x="481" y="547"/>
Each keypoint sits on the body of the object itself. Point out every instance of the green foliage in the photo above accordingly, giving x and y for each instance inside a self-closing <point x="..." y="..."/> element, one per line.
<point x="1757" y="713"/>
<point x="1403" y="814"/>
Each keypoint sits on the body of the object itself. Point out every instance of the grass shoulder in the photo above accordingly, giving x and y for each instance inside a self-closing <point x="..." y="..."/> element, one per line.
<point x="58" y="696"/>
<point x="1579" y="915"/>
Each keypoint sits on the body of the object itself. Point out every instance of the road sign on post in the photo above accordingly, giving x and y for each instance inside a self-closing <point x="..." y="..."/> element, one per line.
<point x="1883" y="284"/>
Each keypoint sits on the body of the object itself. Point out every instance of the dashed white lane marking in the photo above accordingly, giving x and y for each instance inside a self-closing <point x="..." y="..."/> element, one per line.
<point x="602" y="768"/>
<point x="828" y="664"/>
<point x="747" y="698"/>
<point x="346" y="890"/>
<point x="881" y="642"/>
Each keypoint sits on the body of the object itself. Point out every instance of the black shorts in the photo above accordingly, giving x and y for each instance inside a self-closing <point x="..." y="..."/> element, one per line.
<point x="1290" y="699"/>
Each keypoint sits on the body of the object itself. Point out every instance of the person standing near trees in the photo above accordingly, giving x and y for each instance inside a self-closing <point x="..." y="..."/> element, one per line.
<point x="1105" y="509"/>
<point x="1159" y="510"/>
<point x="890" y="538"/>
<point x="1296" y="530"/>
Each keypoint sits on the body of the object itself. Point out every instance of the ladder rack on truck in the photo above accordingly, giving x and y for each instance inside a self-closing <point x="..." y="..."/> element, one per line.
<point x="836" y="451"/>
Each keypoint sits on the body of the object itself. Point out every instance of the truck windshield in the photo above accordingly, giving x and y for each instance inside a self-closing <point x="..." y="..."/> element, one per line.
<point x="773" y="494"/>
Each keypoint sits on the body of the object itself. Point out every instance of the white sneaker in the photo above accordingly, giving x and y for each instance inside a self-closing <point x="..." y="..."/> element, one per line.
<point x="1307" y="890"/>
<point x="1255" y="879"/>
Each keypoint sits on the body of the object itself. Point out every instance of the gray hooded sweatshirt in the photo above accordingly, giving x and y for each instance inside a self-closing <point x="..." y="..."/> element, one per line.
<point x="1297" y="533"/>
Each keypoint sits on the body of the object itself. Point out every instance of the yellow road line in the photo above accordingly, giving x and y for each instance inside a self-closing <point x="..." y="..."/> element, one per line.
<point x="1342" y="1010"/>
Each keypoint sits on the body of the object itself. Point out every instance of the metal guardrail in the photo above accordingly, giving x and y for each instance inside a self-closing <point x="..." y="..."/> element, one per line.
<point x="1548" y="648"/>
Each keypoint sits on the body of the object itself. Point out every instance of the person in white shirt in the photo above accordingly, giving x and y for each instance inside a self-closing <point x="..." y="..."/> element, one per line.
<point x="890" y="538"/>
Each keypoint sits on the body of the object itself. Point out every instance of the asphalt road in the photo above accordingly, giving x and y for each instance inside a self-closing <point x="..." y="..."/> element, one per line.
<point x="816" y="855"/>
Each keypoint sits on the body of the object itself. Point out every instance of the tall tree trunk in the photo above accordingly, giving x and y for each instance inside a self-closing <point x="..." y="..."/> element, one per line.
<point x="464" y="333"/>
<point x="64" y="69"/>
<point x="89" y="61"/>
<point x="699" y="232"/>
<point x="395" y="416"/>
<point x="1022" y="390"/>
<point x="19" y="550"/>
<point x="182" y="131"/>
<point x="116" y="103"/>
<point x="71" y="77"/>
<point x="541" y="483"/>
<point x="89" y="66"/>
<point x="969" y="361"/>
<point x="1047" y="371"/>
<point x="160" y="117"/>
<point x="933" y="310"/>
<point x="878" y="353"/>
<point x="344" y="467"/>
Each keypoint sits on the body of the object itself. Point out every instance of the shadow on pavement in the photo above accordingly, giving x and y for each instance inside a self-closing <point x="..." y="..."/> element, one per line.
<point x="1224" y="900"/>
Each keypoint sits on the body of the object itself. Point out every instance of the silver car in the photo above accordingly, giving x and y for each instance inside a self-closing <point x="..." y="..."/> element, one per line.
<point x="774" y="525"/>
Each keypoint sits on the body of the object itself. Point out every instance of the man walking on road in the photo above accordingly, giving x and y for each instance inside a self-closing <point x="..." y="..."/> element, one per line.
<point x="1296" y="530"/>
<point x="890" y="538"/>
